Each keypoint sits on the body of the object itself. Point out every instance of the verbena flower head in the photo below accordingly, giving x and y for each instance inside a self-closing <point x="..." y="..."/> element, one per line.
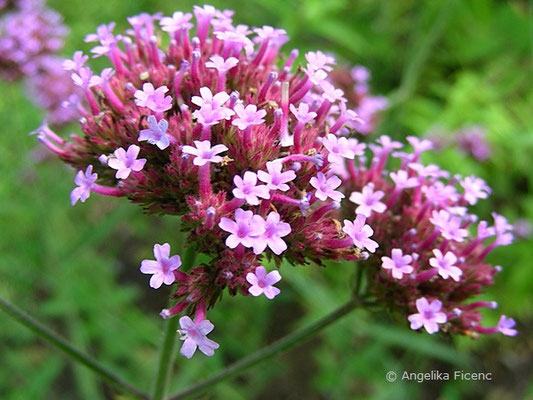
<point x="237" y="142"/>
<point x="28" y="31"/>
<point x="431" y="261"/>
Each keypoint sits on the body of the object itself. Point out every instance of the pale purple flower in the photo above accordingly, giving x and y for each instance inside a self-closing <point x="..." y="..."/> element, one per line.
<point x="419" y="145"/>
<point x="368" y="200"/>
<point x="247" y="116"/>
<point x="446" y="265"/>
<point x="156" y="133"/>
<point x="440" y="194"/>
<point x="503" y="230"/>
<point x="506" y="326"/>
<point x="204" y="153"/>
<point x="211" y="107"/>
<point x="448" y="225"/>
<point x="275" y="229"/>
<point x="262" y="283"/>
<point x="85" y="78"/>
<point x="428" y="171"/>
<point x="268" y="32"/>
<point x="484" y="231"/>
<point x="238" y="38"/>
<point x="402" y="181"/>
<point x="318" y="60"/>
<point x="302" y="113"/>
<point x="331" y="93"/>
<point x="274" y="178"/>
<point x="325" y="187"/>
<point x="152" y="98"/>
<point x="220" y="64"/>
<point x="126" y="161"/>
<point x="162" y="267"/>
<point x="85" y="181"/>
<point x="475" y="188"/>
<point x="177" y="22"/>
<point x="338" y="148"/>
<point x="194" y="336"/>
<point x="244" y="230"/>
<point x="360" y="233"/>
<point x="360" y="74"/>
<point x="246" y="188"/>
<point x="399" y="264"/>
<point x="316" y="76"/>
<point x="428" y="316"/>
<point x="206" y="98"/>
<point x="78" y="60"/>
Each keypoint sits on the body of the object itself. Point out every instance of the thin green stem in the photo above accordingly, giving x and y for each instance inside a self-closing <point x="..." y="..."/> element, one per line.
<point x="60" y="343"/>
<point x="167" y="352"/>
<point x="269" y="351"/>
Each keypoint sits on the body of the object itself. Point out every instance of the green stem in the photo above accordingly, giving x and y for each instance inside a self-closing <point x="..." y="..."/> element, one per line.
<point x="269" y="351"/>
<point x="60" y="343"/>
<point x="167" y="352"/>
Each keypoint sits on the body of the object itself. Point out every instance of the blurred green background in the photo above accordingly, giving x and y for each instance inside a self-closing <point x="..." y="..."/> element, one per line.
<point x="443" y="64"/>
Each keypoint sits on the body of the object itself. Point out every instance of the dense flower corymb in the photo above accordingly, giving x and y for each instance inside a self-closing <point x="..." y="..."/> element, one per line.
<point x="245" y="148"/>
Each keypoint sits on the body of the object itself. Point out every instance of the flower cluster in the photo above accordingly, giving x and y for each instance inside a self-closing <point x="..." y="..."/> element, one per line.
<point x="218" y="129"/>
<point x="52" y="90"/>
<point x="28" y="31"/>
<point x="355" y="83"/>
<point x="471" y="140"/>
<point x="431" y="259"/>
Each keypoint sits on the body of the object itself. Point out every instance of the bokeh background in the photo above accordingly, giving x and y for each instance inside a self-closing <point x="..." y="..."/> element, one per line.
<point x="445" y="65"/>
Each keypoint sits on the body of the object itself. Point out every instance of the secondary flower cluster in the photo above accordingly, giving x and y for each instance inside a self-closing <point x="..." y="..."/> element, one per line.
<point x="31" y="35"/>
<point x="431" y="259"/>
<point x="355" y="83"/>
<point x="28" y="31"/>
<point x="218" y="129"/>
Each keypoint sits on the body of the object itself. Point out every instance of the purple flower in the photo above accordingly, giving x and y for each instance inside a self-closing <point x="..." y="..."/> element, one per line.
<point x="222" y="65"/>
<point x="126" y="161"/>
<point x="318" y="60"/>
<point x="77" y="62"/>
<point x="506" y="325"/>
<point x="428" y="315"/>
<point x="211" y="107"/>
<point x="247" y="116"/>
<point x="315" y="76"/>
<point x="338" y="148"/>
<point x="446" y="265"/>
<point x="504" y="230"/>
<point x="360" y="233"/>
<point x="440" y="194"/>
<point x="398" y="264"/>
<point x="274" y="178"/>
<point x="402" y="181"/>
<point x="85" y="78"/>
<point x="244" y="230"/>
<point x="204" y="153"/>
<point x="275" y="229"/>
<point x="475" y="188"/>
<point x="178" y="21"/>
<point x="152" y="98"/>
<point x="206" y="98"/>
<point x="368" y="200"/>
<point x="85" y="181"/>
<point x="195" y="336"/>
<point x="419" y="145"/>
<point x="162" y="267"/>
<point x="325" y="187"/>
<point x="449" y="226"/>
<point x="331" y="93"/>
<point x="246" y="188"/>
<point x="302" y="113"/>
<point x="262" y="283"/>
<point x="156" y="133"/>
